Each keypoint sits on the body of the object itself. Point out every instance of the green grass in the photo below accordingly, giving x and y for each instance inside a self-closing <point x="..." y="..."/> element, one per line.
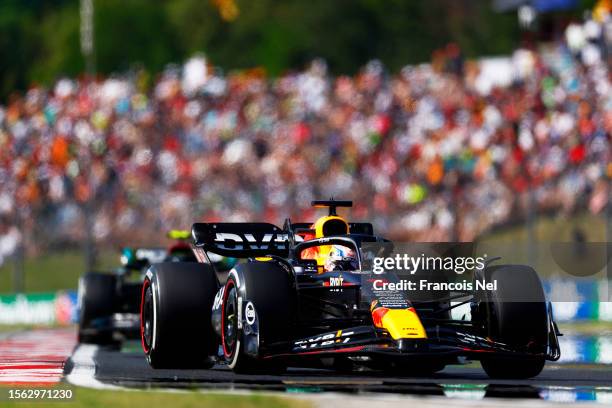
<point x="552" y="229"/>
<point x="597" y="328"/>
<point x="89" y="398"/>
<point x="54" y="271"/>
<point x="546" y="255"/>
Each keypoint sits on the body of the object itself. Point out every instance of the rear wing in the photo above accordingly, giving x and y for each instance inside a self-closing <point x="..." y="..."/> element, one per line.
<point x="241" y="239"/>
<point x="151" y="255"/>
<point x="251" y="239"/>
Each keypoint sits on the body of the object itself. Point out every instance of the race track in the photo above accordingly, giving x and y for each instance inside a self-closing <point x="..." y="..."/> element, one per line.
<point x="129" y="369"/>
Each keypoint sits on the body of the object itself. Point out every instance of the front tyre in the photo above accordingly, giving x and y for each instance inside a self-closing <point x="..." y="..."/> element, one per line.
<point x="231" y="341"/>
<point x="516" y="315"/>
<point x="267" y="290"/>
<point x="175" y="314"/>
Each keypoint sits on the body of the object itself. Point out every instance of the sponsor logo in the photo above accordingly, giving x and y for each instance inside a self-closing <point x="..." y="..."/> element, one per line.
<point x="249" y="313"/>
<point x="38" y="308"/>
<point x="336" y="281"/>
<point x="466" y="338"/>
<point x="239" y="242"/>
<point x="218" y="299"/>
<point x="328" y="339"/>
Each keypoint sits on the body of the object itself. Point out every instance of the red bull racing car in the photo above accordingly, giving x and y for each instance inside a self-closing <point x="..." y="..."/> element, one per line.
<point x="306" y="295"/>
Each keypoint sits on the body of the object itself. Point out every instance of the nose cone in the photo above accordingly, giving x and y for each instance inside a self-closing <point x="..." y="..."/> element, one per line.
<point x="400" y="323"/>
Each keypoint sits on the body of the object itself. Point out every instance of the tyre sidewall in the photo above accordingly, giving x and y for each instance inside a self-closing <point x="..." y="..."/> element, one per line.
<point x="183" y="295"/>
<point x="270" y="289"/>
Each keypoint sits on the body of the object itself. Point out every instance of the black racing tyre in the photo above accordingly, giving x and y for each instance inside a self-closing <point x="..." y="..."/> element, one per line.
<point x="175" y="315"/>
<point x="270" y="289"/>
<point x="516" y="315"/>
<point x="97" y="299"/>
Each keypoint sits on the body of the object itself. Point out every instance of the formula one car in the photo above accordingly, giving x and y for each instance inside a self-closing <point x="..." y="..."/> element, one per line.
<point x="109" y="303"/>
<point x="305" y="295"/>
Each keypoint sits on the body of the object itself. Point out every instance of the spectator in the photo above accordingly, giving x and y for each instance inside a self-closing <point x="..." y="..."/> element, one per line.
<point x="423" y="154"/>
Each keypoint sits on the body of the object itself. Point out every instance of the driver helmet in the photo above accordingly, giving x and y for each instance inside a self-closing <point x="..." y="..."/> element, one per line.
<point x="128" y="257"/>
<point x="341" y="258"/>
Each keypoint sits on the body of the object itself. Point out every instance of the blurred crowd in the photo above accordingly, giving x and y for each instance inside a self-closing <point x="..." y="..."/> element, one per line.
<point x="425" y="154"/>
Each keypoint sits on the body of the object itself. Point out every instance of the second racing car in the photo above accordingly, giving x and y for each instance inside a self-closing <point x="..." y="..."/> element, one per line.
<point x="109" y="302"/>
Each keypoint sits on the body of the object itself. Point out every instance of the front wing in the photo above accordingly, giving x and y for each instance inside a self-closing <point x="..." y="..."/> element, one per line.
<point x="442" y="343"/>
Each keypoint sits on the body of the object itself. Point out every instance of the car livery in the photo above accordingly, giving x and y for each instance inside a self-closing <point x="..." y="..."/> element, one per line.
<point x="285" y="304"/>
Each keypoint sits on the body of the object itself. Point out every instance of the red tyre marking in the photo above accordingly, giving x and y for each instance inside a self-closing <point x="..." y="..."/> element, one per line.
<point x="142" y="297"/>
<point x="228" y="285"/>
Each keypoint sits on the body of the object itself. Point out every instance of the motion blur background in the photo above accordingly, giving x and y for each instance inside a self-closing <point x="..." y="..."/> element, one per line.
<point x="443" y="120"/>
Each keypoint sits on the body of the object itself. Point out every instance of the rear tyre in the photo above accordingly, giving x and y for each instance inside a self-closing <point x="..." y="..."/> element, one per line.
<point x="269" y="288"/>
<point x="516" y="315"/>
<point x="97" y="299"/>
<point x="175" y="315"/>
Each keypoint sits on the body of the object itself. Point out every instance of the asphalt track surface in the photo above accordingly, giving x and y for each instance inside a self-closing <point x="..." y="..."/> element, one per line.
<point x="129" y="369"/>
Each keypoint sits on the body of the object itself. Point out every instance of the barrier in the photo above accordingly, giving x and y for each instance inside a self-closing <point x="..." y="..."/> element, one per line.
<point x="577" y="300"/>
<point x="39" y="308"/>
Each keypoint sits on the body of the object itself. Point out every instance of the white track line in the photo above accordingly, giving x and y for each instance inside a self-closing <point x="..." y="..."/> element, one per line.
<point x="83" y="373"/>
